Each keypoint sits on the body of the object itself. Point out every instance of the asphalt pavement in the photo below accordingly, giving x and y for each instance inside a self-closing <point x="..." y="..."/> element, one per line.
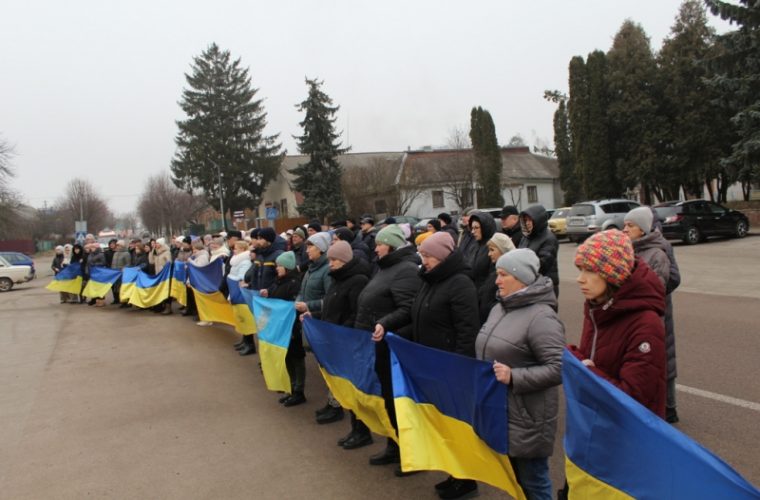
<point x="114" y="403"/>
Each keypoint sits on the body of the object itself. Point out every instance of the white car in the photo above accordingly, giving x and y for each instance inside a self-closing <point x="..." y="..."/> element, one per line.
<point x="10" y="274"/>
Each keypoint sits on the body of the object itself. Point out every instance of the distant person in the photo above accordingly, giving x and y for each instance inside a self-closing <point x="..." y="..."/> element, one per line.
<point x="482" y="228"/>
<point x="510" y="224"/>
<point x="447" y="225"/>
<point x="537" y="236"/>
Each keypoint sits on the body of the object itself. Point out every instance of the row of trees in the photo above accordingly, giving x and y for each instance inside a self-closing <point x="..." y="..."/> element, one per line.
<point x="673" y="121"/>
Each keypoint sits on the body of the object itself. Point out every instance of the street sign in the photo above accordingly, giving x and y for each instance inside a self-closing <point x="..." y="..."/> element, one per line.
<point x="80" y="226"/>
<point x="271" y="213"/>
<point x="80" y="236"/>
<point x="239" y="213"/>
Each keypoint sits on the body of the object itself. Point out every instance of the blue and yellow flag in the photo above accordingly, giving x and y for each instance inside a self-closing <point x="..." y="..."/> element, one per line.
<point x="150" y="290"/>
<point x="178" y="289"/>
<point x="452" y="415"/>
<point x="211" y="304"/>
<point x="128" y="283"/>
<point x="274" y="318"/>
<point x="68" y="280"/>
<point x="346" y="359"/>
<point x="101" y="281"/>
<point x="241" y="310"/>
<point x="617" y="449"/>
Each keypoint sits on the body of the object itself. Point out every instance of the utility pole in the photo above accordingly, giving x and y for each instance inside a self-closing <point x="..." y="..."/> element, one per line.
<point x="221" y="201"/>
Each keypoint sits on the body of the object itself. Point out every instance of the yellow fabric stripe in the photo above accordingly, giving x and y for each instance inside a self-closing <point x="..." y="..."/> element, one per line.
<point x="179" y="292"/>
<point x="244" y="322"/>
<point x="369" y="409"/>
<point x="214" y="307"/>
<point x="273" y="365"/>
<point x="584" y="486"/>
<point x="125" y="292"/>
<point x="149" y="297"/>
<point x="69" y="286"/>
<point x="95" y="290"/>
<point x="430" y="440"/>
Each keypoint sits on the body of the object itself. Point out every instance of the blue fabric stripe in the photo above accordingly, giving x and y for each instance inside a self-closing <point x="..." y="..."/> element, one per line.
<point x="274" y="318"/>
<point x="236" y="295"/>
<point x="207" y="279"/>
<point x="101" y="274"/>
<point x="129" y="275"/>
<point x="459" y="387"/>
<point x="69" y="272"/>
<point x="179" y="272"/>
<point x="145" y="280"/>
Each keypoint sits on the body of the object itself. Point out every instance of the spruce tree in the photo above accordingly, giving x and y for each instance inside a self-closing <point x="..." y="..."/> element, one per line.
<point x="487" y="157"/>
<point x="738" y="81"/>
<point x="319" y="179"/>
<point x="568" y="181"/>
<point x="601" y="176"/>
<point x="635" y="126"/>
<point x="577" y="111"/>
<point x="222" y="136"/>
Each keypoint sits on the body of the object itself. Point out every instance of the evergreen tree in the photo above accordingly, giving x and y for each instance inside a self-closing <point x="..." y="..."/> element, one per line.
<point x="738" y="81"/>
<point x="319" y="179"/>
<point x="487" y="157"/>
<point x="601" y="176"/>
<point x="568" y="181"/>
<point x="634" y="124"/>
<point x="577" y="111"/>
<point x="222" y="136"/>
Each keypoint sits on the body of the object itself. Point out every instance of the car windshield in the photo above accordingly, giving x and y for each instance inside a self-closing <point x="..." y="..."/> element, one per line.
<point x="582" y="210"/>
<point x="560" y="214"/>
<point x="665" y="212"/>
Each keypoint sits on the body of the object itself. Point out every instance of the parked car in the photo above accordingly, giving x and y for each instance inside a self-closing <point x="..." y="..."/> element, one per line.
<point x="19" y="259"/>
<point x="695" y="220"/>
<point x="558" y="222"/>
<point x="13" y="273"/>
<point x="401" y="219"/>
<point x="589" y="217"/>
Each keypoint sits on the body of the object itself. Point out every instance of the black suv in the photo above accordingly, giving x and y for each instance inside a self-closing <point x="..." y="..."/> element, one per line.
<point x="695" y="220"/>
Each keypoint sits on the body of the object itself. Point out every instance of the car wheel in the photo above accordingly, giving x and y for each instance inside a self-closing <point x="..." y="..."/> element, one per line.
<point x="741" y="229"/>
<point x="5" y="284"/>
<point x="692" y="236"/>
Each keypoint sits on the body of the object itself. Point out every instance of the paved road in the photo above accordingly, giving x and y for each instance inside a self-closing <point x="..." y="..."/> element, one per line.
<point x="119" y="404"/>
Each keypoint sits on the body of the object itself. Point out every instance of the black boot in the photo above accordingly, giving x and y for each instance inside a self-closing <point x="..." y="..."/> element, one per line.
<point x="334" y="414"/>
<point x="460" y="488"/>
<point x="390" y="455"/>
<point x="240" y="344"/>
<point x="295" y="399"/>
<point x="249" y="347"/>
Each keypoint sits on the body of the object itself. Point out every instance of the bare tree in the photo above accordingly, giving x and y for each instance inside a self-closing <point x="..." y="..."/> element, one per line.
<point x="81" y="202"/>
<point x="164" y="208"/>
<point x="376" y="184"/>
<point x="9" y="198"/>
<point x="457" y="173"/>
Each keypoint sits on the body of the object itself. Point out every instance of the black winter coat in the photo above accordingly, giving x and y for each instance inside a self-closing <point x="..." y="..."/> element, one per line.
<point x="287" y="287"/>
<point x="543" y="242"/>
<point x="341" y="302"/>
<point x="388" y="296"/>
<point x="478" y="261"/>
<point x="487" y="296"/>
<point x="445" y="311"/>
<point x="263" y="273"/>
<point x="515" y="234"/>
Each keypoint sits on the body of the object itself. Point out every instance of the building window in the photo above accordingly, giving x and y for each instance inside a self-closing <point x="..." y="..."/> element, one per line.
<point x="467" y="197"/>
<point x="437" y="199"/>
<point x="284" y="208"/>
<point x="380" y="206"/>
<point x="532" y="194"/>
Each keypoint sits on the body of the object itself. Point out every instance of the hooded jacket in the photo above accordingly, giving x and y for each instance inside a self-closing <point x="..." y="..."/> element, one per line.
<point x="263" y="273"/>
<point x="341" y="302"/>
<point x="478" y="260"/>
<point x="625" y="338"/>
<point x="543" y="242"/>
<point x="445" y="311"/>
<point x="652" y="249"/>
<point x="239" y="266"/>
<point x="524" y="332"/>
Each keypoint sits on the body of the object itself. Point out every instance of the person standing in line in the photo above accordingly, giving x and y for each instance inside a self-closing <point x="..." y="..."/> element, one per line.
<point x="538" y="237"/>
<point x="510" y="224"/>
<point x="482" y="227"/>
<point x="446" y="225"/>
<point x="57" y="266"/>
<point x="95" y="258"/>
<point x="650" y="245"/>
<point x="384" y="305"/>
<point x="524" y="339"/>
<point x="286" y="287"/>
<point x="159" y="258"/>
<point x="119" y="261"/>
<point x="498" y="245"/>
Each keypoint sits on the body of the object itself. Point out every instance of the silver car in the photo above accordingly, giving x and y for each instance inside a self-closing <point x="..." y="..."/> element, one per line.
<point x="589" y="217"/>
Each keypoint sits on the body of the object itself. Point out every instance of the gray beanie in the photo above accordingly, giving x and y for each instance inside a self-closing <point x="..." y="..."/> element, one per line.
<point x="642" y="217"/>
<point x="320" y="240"/>
<point x="522" y="263"/>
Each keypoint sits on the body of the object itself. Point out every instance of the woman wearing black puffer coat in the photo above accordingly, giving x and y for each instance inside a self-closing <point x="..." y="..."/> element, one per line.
<point x="445" y="316"/>
<point x="384" y="306"/>
<point x="482" y="227"/>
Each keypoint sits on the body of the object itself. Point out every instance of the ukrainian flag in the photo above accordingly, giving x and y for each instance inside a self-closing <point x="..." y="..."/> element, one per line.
<point x="101" y="281"/>
<point x="211" y="304"/>
<point x="68" y="280"/>
<point x="617" y="449"/>
<point x="128" y="283"/>
<point x="347" y="361"/>
<point x="178" y="289"/>
<point x="452" y="415"/>
<point x="274" y="318"/>
<point x="242" y="312"/>
<point x="150" y="290"/>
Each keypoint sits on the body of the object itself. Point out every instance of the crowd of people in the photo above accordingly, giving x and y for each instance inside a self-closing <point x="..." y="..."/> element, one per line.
<point x="486" y="289"/>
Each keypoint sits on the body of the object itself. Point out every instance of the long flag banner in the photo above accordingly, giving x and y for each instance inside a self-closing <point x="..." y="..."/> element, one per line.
<point x="100" y="282"/>
<point x="178" y="289"/>
<point x="68" y="280"/>
<point x="452" y="415"/>
<point x="617" y="449"/>
<point x="346" y="359"/>
<point x="150" y="290"/>
<point x="242" y="312"/>
<point x="274" y="319"/>
<point x="212" y="305"/>
<point x="128" y="283"/>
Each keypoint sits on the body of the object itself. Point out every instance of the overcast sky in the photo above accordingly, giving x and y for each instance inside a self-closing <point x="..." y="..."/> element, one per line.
<point x="90" y="88"/>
